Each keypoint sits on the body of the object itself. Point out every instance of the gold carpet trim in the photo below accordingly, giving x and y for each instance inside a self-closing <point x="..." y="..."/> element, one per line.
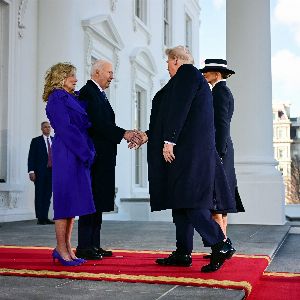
<point x="278" y="274"/>
<point x="161" y="279"/>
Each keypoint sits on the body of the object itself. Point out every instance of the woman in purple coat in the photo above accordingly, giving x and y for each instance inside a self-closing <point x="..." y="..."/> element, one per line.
<point x="72" y="156"/>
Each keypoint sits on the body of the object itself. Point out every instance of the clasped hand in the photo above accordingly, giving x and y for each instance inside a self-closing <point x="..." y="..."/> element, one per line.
<point x="135" y="138"/>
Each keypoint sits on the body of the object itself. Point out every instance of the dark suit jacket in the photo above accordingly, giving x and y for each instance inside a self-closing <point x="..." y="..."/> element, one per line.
<point x="182" y="112"/>
<point x="105" y="135"/>
<point x="38" y="156"/>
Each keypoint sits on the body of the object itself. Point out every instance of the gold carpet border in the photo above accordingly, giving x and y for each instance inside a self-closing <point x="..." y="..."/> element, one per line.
<point x="283" y="274"/>
<point x="137" y="251"/>
<point x="161" y="279"/>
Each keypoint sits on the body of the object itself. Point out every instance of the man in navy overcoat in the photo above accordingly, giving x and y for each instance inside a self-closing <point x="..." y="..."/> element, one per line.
<point x="40" y="172"/>
<point x="184" y="167"/>
<point x="106" y="135"/>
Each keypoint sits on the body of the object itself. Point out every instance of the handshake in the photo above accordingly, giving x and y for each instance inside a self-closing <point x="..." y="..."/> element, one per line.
<point x="135" y="138"/>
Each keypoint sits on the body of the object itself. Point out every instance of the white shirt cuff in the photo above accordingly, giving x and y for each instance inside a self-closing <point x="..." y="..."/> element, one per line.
<point x="166" y="142"/>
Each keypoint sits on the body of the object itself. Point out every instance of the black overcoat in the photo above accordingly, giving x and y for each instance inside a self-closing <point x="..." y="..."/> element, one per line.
<point x="105" y="135"/>
<point x="223" y="110"/>
<point x="182" y="113"/>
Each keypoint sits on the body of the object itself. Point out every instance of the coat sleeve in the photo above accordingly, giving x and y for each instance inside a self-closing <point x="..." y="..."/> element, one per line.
<point x="31" y="163"/>
<point x="221" y="100"/>
<point x="69" y="133"/>
<point x="181" y="95"/>
<point x="99" y="121"/>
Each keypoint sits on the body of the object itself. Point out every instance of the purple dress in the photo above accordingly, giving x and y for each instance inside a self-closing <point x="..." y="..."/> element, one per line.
<point x="72" y="155"/>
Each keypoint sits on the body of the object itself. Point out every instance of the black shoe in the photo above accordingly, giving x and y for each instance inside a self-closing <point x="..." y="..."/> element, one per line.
<point x="232" y="251"/>
<point x="104" y="253"/>
<point x="49" y="222"/>
<point x="220" y="252"/>
<point x="176" y="259"/>
<point x="88" y="254"/>
<point x="41" y="222"/>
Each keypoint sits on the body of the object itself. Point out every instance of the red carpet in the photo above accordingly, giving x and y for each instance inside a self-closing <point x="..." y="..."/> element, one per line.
<point x="277" y="286"/>
<point x="242" y="272"/>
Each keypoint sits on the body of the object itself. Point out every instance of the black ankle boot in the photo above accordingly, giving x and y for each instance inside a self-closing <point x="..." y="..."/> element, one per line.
<point x="220" y="252"/>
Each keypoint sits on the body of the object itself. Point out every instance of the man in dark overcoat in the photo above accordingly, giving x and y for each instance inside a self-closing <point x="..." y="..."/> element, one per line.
<point x="216" y="72"/>
<point x="40" y="172"/>
<point x="183" y="163"/>
<point x="106" y="135"/>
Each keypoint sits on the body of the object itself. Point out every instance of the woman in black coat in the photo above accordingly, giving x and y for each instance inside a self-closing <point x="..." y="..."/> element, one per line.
<point x="216" y="72"/>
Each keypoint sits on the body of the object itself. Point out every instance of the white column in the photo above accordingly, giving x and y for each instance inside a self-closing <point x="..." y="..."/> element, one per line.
<point x="249" y="54"/>
<point x="59" y="40"/>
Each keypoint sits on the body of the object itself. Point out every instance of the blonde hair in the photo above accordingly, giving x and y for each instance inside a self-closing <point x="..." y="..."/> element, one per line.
<point x="55" y="77"/>
<point x="182" y="53"/>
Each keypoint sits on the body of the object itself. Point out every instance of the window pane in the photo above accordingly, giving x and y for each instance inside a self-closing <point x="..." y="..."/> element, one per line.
<point x="167" y="28"/>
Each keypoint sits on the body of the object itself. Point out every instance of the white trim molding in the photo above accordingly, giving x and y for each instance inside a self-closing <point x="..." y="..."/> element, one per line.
<point x="103" y="40"/>
<point x="21" y="12"/>
<point x="113" y="5"/>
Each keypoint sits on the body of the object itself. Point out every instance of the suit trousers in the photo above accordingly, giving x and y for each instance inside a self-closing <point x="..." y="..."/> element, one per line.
<point x="43" y="193"/>
<point x="89" y="227"/>
<point x="188" y="219"/>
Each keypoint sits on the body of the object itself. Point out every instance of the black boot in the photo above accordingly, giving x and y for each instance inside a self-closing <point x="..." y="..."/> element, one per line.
<point x="176" y="259"/>
<point x="232" y="251"/>
<point x="228" y="241"/>
<point x="220" y="252"/>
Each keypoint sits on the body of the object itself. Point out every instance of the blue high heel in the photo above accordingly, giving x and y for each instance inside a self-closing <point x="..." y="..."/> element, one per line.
<point x="80" y="260"/>
<point x="56" y="255"/>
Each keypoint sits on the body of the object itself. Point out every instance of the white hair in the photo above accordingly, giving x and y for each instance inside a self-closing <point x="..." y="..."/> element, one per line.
<point x="182" y="53"/>
<point x="98" y="65"/>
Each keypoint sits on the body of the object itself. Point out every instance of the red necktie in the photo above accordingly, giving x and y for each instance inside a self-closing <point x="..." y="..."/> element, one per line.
<point x="49" y="163"/>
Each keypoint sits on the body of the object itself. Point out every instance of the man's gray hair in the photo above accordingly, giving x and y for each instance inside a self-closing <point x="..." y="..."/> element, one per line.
<point x="98" y="65"/>
<point x="182" y="53"/>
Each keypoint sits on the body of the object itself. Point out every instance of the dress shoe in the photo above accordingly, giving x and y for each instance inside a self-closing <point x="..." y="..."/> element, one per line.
<point x="103" y="253"/>
<point x="176" y="259"/>
<point x="230" y="253"/>
<point x="45" y="222"/>
<point x="49" y="222"/>
<point x="220" y="252"/>
<point x="88" y="253"/>
<point x="42" y="222"/>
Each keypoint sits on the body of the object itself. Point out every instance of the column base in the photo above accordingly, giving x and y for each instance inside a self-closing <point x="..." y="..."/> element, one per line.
<point x="16" y="214"/>
<point x="262" y="192"/>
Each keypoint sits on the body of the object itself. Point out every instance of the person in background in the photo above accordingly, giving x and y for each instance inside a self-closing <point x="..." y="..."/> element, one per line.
<point x="216" y="72"/>
<point x="40" y="172"/>
<point x="106" y="135"/>
<point x="72" y="156"/>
